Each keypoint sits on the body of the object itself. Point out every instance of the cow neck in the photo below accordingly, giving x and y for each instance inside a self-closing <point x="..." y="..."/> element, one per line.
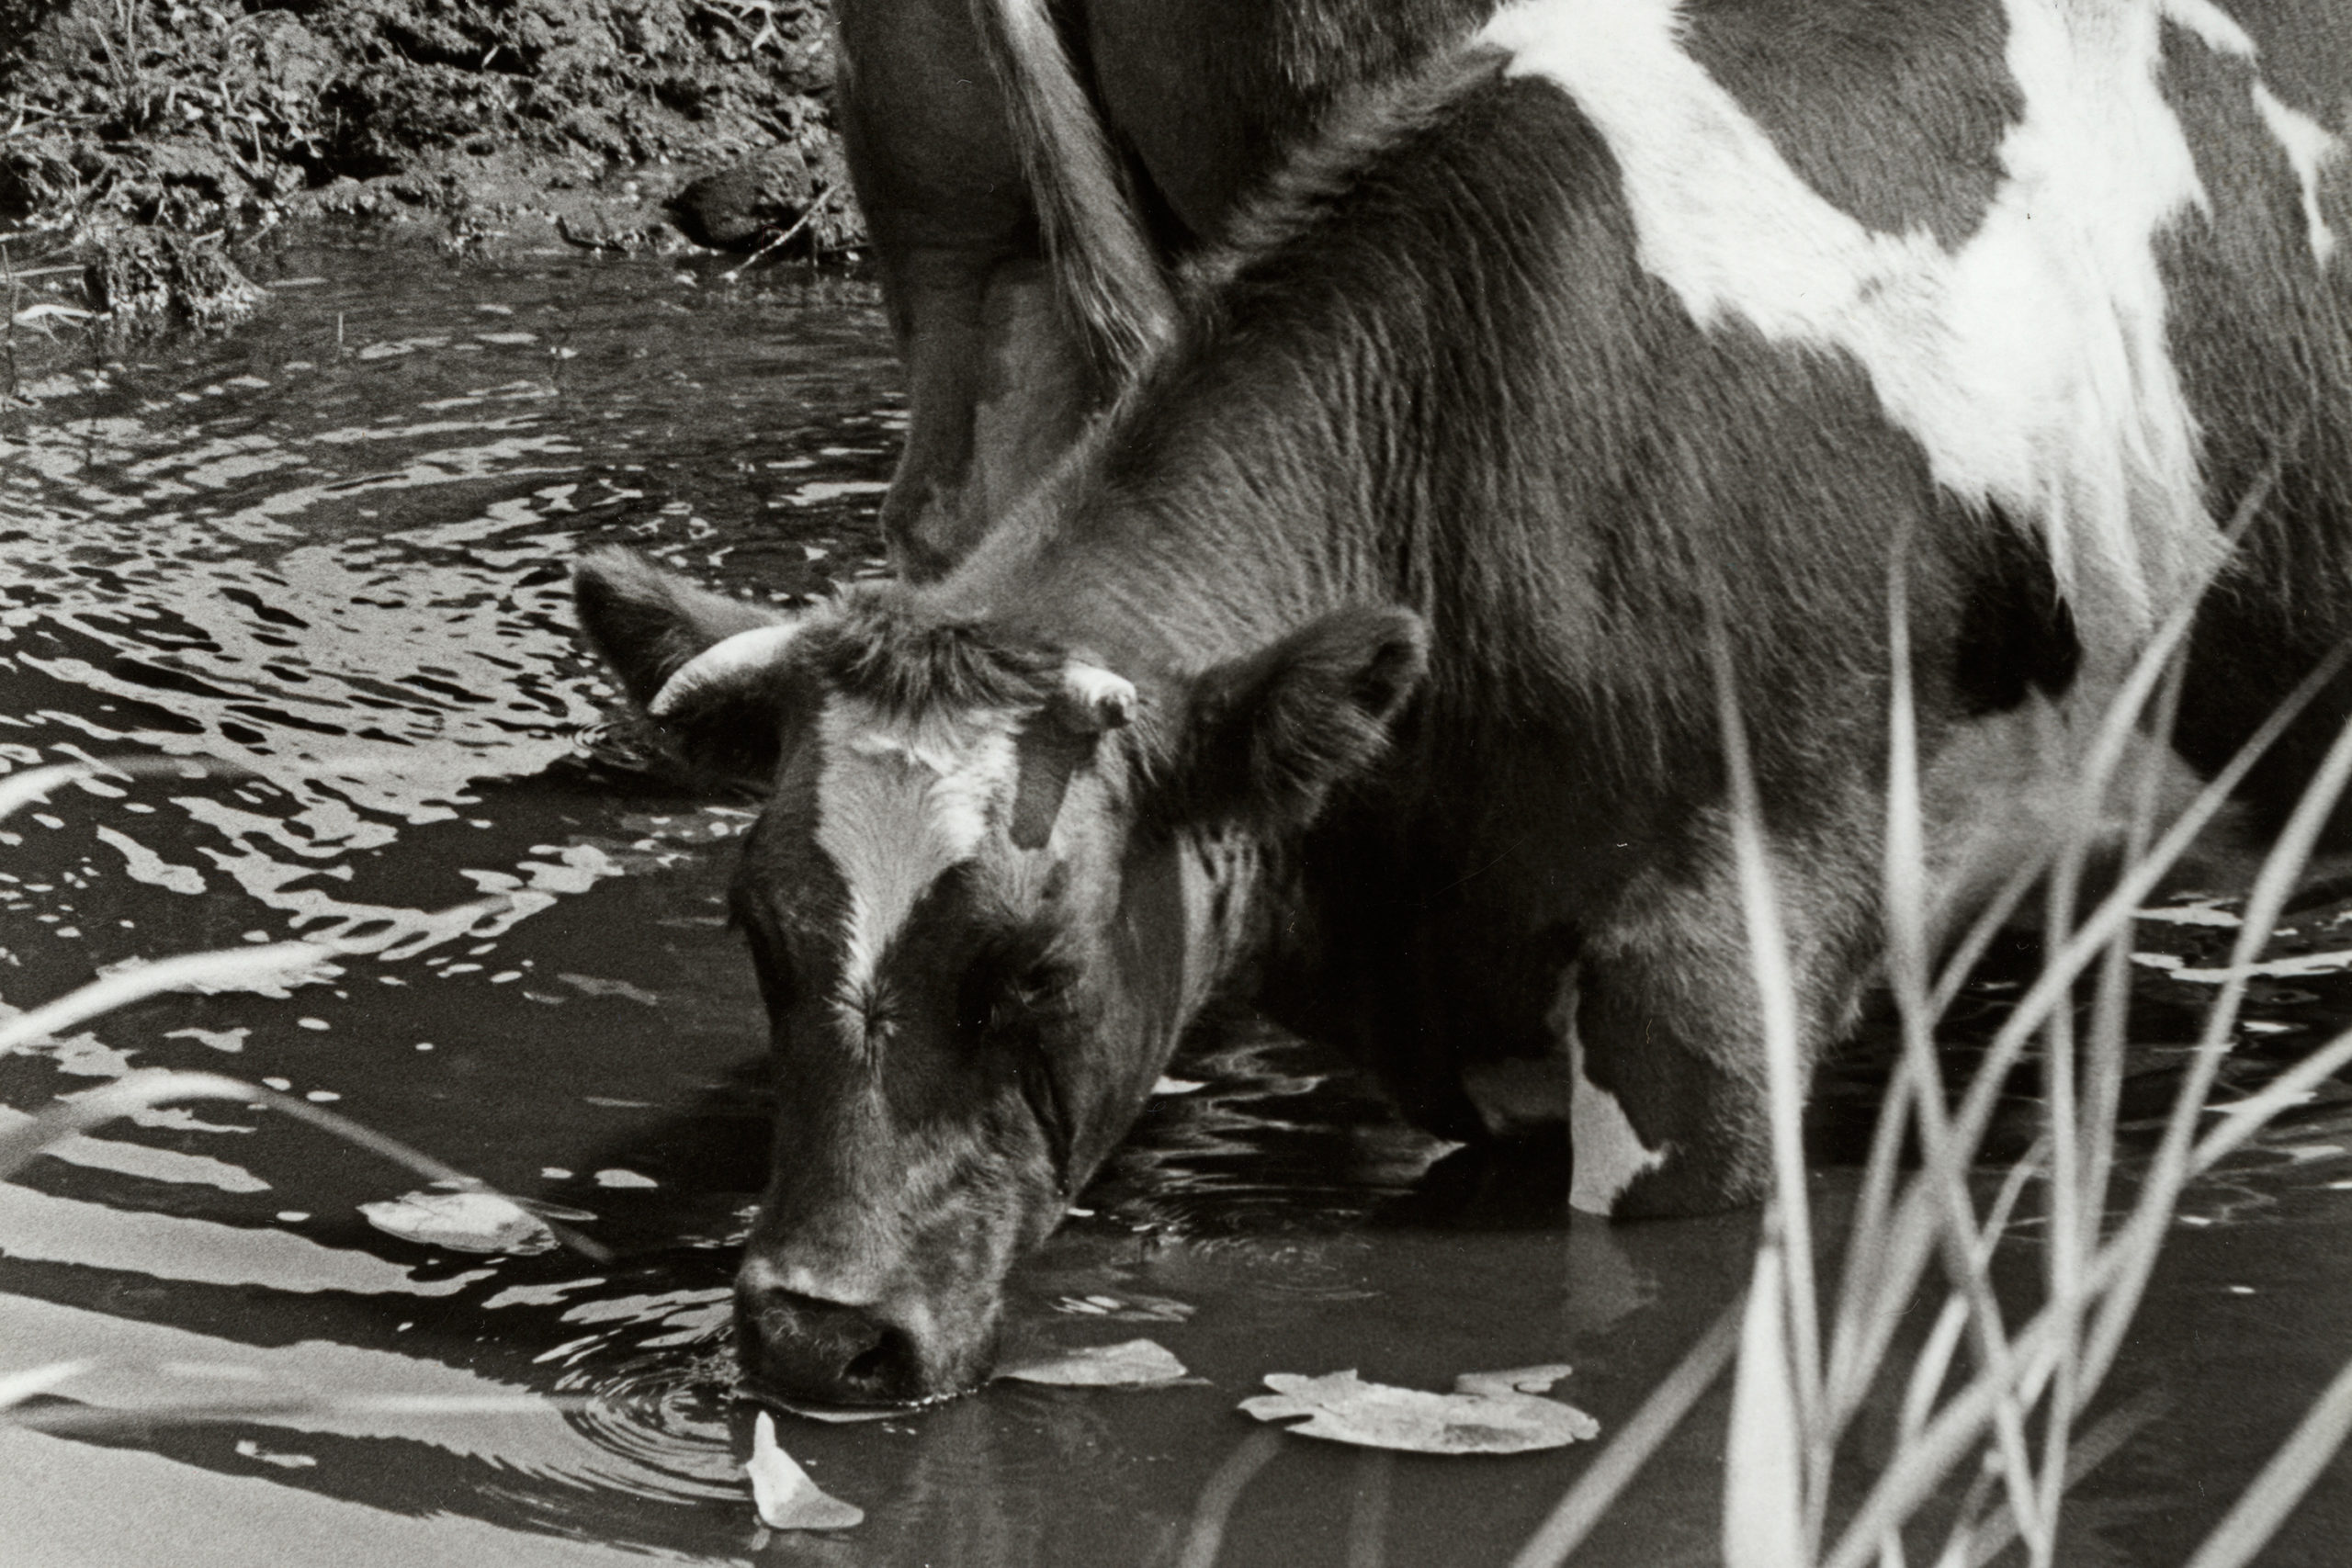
<point x="1192" y="535"/>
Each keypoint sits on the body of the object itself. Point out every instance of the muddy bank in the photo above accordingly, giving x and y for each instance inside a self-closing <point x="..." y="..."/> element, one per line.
<point x="151" y="139"/>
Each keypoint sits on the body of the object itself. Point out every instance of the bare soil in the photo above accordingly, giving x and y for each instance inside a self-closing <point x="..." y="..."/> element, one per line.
<point x="152" y="138"/>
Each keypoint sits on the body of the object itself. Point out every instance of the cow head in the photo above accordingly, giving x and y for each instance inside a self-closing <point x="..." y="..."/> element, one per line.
<point x="979" y="901"/>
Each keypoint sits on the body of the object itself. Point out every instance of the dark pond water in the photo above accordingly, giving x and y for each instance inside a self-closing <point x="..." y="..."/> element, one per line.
<point x="339" y="536"/>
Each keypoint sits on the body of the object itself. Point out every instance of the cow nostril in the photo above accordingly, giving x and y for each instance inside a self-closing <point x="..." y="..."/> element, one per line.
<point x="885" y="1368"/>
<point x="805" y="1347"/>
<point x="868" y="1366"/>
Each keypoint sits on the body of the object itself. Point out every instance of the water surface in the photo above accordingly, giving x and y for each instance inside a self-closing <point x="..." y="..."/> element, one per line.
<point x="331" y="549"/>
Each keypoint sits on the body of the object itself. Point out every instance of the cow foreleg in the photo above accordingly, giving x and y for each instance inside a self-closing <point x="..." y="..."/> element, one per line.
<point x="1670" y="1111"/>
<point x="996" y="390"/>
<point x="993" y="386"/>
<point x="1035" y="393"/>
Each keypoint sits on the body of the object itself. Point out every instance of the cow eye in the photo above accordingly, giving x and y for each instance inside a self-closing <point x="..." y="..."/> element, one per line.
<point x="985" y="1007"/>
<point x="1003" y="1005"/>
<point x="997" y="999"/>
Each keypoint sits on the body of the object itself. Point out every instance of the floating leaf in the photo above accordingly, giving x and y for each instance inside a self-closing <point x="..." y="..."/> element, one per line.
<point x="1134" y="1364"/>
<point x="462" y="1222"/>
<point x="1518" y="1380"/>
<point x="786" y="1498"/>
<point x="1488" y="1413"/>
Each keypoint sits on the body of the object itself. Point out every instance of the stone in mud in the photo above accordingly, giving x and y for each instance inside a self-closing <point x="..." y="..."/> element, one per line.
<point x="753" y="203"/>
<point x="144" y="273"/>
<point x="595" y="229"/>
<point x="296" y="63"/>
<point x="17" y="194"/>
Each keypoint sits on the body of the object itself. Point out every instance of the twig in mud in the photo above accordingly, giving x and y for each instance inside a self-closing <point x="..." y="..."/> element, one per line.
<point x="807" y="215"/>
<point x="36" y="112"/>
<point x="9" y="333"/>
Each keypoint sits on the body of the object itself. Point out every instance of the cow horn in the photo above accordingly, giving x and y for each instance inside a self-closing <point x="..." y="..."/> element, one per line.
<point x="728" y="661"/>
<point x="1093" y="699"/>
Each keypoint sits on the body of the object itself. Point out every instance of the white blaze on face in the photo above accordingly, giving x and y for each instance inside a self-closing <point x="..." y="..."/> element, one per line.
<point x="899" y="804"/>
<point x="2031" y="363"/>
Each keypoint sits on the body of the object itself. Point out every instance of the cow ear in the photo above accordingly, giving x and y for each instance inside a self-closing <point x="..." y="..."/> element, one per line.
<point x="714" y="673"/>
<point x="1264" y="738"/>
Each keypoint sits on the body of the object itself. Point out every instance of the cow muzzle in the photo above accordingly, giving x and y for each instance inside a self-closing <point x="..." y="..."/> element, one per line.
<point x="805" y="1349"/>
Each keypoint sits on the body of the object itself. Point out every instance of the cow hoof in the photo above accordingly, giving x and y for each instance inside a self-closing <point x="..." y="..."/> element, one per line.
<point x="1684" y="1186"/>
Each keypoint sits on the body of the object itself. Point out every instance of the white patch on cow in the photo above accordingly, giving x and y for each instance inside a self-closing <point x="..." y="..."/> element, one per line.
<point x="2309" y="148"/>
<point x="1605" y="1153"/>
<point x="2030" y="364"/>
<point x="897" y="804"/>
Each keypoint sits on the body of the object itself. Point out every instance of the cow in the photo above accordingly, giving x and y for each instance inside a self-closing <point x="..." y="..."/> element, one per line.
<point x="1196" y="101"/>
<point x="1366" y="655"/>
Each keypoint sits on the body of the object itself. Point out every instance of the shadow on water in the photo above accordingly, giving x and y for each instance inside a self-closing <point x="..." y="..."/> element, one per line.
<point x="331" y="549"/>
